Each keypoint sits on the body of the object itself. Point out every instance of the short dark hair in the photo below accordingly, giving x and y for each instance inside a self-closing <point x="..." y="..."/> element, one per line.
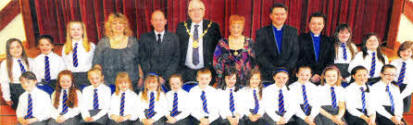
<point x="28" y="75"/>
<point x="45" y="36"/>
<point x="318" y="14"/>
<point x="278" y="5"/>
<point x="387" y="66"/>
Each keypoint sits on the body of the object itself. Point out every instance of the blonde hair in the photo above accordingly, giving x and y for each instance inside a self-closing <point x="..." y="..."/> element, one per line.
<point x="117" y="17"/>
<point x="122" y="77"/>
<point x="331" y="68"/>
<point x="68" y="45"/>
<point x="149" y="79"/>
<point x="233" y="19"/>
<point x="94" y="70"/>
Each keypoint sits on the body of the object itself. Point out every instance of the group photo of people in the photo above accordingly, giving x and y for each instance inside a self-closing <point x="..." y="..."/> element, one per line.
<point x="198" y="75"/>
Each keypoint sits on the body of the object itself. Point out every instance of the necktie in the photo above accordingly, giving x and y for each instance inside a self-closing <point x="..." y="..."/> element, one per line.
<point x="159" y="39"/>
<point x="195" y="53"/>
<point x="29" y="114"/>
<point x="281" y="109"/>
<point x="391" y="98"/>
<point x="122" y="104"/>
<point x="231" y="101"/>
<point x="95" y="99"/>
<point x="343" y="45"/>
<point x="46" y="69"/>
<point x="75" y="63"/>
<point x="373" y="64"/>
<point x="204" y="102"/>
<point x="333" y="98"/>
<point x="401" y="75"/>
<point x="64" y="106"/>
<point x="363" y="101"/>
<point x="175" y="105"/>
<point x="306" y="105"/>
<point x="151" y="105"/>
<point x="257" y="105"/>
<point x="22" y="69"/>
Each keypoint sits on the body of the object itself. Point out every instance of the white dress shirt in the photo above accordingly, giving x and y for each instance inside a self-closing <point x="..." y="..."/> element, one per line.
<point x="213" y="104"/>
<point x="104" y="95"/>
<point x="339" y="55"/>
<point x="71" y="112"/>
<point x="325" y="94"/>
<point x="354" y="102"/>
<point x="366" y="62"/>
<point x="156" y="35"/>
<point x="248" y="101"/>
<point x="159" y="106"/>
<point x="312" y="96"/>
<point x="84" y="58"/>
<point x="188" y="60"/>
<point x="183" y="103"/>
<point x="224" y="106"/>
<point x="130" y="108"/>
<point x="408" y="72"/>
<point x="56" y="64"/>
<point x="270" y="99"/>
<point x="382" y="99"/>
<point x="41" y="104"/>
<point x="16" y="73"/>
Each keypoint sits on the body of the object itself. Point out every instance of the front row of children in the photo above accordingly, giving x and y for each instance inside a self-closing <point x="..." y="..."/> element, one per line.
<point x="299" y="103"/>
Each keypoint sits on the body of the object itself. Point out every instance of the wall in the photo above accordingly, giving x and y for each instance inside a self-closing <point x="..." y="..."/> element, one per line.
<point x="15" y="29"/>
<point x="405" y="29"/>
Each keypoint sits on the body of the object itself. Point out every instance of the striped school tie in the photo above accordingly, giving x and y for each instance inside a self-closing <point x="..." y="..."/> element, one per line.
<point x="306" y="105"/>
<point x="373" y="65"/>
<point x="231" y="101"/>
<point x="333" y="98"/>
<point x="175" y="105"/>
<point x="401" y="74"/>
<point x="391" y="98"/>
<point x="363" y="100"/>
<point x="151" y="105"/>
<point x="122" y="104"/>
<point x="22" y="69"/>
<point x="75" y="61"/>
<point x="46" y="69"/>
<point x="204" y="102"/>
<point x="95" y="99"/>
<point x="281" y="108"/>
<point x="29" y="114"/>
<point x="64" y="106"/>
<point x="343" y="45"/>
<point x="257" y="104"/>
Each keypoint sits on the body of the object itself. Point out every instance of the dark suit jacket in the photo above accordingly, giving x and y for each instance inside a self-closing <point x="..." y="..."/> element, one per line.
<point x="267" y="55"/>
<point x="210" y="41"/>
<point x="163" y="58"/>
<point x="307" y="53"/>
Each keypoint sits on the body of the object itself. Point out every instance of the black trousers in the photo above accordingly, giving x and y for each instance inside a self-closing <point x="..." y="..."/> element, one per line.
<point x="15" y="91"/>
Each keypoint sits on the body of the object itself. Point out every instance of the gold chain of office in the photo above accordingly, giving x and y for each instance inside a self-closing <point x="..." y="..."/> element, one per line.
<point x="195" y="43"/>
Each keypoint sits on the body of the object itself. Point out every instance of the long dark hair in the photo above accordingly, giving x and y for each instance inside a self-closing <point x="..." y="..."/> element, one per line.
<point x="73" y="97"/>
<point x="9" y="57"/>
<point x="378" y="50"/>
<point x="228" y="73"/>
<point x="253" y="72"/>
<point x="342" y="27"/>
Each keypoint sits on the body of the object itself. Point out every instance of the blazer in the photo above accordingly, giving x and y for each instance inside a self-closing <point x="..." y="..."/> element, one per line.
<point x="210" y="41"/>
<point x="307" y="53"/>
<point x="162" y="58"/>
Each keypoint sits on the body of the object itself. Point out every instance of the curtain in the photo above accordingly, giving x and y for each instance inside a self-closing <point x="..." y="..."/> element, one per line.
<point x="51" y="16"/>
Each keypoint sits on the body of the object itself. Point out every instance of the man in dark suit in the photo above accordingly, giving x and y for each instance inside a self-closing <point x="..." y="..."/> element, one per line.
<point x="276" y="44"/>
<point x="316" y="50"/>
<point x="159" y="49"/>
<point x="198" y="39"/>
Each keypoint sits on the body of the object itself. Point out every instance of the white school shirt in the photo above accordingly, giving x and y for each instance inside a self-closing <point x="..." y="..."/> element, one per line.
<point x="159" y="106"/>
<point x="224" y="110"/>
<point x="366" y="62"/>
<point x="130" y="105"/>
<point x="183" y="104"/>
<point x="312" y="97"/>
<point x="104" y="95"/>
<point x="354" y="102"/>
<point x="213" y="104"/>
<point x="84" y="58"/>
<point x="248" y="101"/>
<point x="408" y="72"/>
<point x="56" y="65"/>
<point x="16" y="73"/>
<point x="71" y="112"/>
<point x="339" y="55"/>
<point x="270" y="99"/>
<point x="382" y="99"/>
<point x="325" y="98"/>
<point x="188" y="59"/>
<point x="41" y="104"/>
